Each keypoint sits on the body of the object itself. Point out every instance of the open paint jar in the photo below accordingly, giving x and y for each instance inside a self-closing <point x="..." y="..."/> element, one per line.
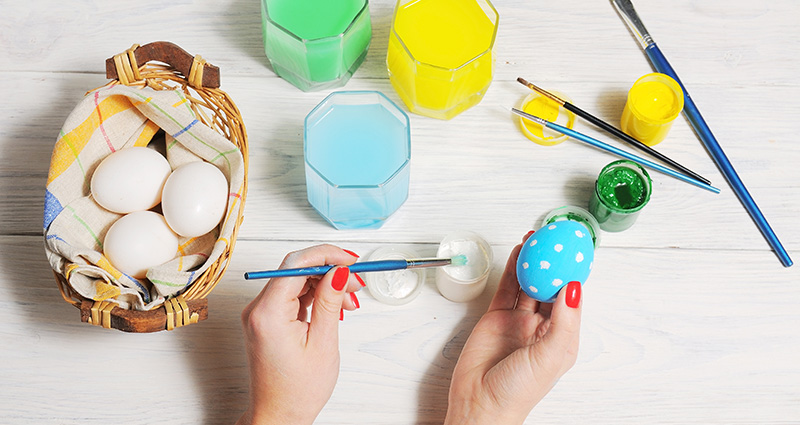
<point x="577" y="214"/>
<point x="654" y="101"/>
<point x="464" y="283"/>
<point x="622" y="189"/>
<point x="395" y="287"/>
<point x="357" y="148"/>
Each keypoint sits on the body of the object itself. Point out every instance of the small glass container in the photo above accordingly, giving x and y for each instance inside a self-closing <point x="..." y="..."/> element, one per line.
<point x="621" y="190"/>
<point x="395" y="287"/>
<point x="577" y="214"/>
<point x="464" y="283"/>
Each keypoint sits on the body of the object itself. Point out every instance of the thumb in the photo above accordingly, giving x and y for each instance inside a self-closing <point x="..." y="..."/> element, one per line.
<point x="562" y="337"/>
<point x="327" y="306"/>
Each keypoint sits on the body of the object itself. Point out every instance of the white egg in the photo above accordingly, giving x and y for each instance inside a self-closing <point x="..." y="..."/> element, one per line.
<point x="130" y="180"/>
<point x="194" y="199"/>
<point x="139" y="241"/>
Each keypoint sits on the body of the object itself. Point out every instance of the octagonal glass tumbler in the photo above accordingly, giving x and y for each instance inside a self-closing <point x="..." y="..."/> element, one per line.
<point x="439" y="57"/>
<point x="357" y="148"/>
<point x="316" y="44"/>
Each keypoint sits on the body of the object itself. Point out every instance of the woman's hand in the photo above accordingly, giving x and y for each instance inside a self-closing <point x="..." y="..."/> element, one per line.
<point x="515" y="354"/>
<point x="294" y="363"/>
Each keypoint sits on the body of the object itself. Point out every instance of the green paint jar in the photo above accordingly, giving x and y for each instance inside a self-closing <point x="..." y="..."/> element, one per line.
<point x="621" y="190"/>
<point x="577" y="214"/>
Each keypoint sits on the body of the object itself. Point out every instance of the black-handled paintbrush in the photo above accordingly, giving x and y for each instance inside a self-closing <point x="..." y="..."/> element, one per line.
<point x="613" y="130"/>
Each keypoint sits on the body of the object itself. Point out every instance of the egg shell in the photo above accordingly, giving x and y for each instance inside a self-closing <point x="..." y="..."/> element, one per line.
<point x="195" y="198"/>
<point x="130" y="179"/>
<point x="140" y="241"/>
<point x="553" y="256"/>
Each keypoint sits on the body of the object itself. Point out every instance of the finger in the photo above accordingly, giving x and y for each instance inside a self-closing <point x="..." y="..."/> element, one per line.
<point x="565" y="322"/>
<point x="508" y="289"/>
<point x="280" y="295"/>
<point x="325" y="312"/>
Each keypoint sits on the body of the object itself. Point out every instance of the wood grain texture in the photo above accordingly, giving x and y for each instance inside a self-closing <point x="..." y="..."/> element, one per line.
<point x="689" y="317"/>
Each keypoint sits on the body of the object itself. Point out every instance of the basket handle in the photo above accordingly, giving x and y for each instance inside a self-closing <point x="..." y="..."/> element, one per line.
<point x="168" y="53"/>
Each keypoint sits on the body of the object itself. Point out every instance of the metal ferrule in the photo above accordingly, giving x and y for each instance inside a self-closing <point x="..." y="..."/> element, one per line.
<point x="428" y="262"/>
<point x="631" y="18"/>
<point x="533" y="118"/>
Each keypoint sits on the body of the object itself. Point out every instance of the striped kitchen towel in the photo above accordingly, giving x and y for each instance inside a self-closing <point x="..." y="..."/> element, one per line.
<point x="106" y="120"/>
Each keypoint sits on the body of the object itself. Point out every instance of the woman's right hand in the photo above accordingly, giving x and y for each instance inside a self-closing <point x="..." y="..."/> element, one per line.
<point x="294" y="362"/>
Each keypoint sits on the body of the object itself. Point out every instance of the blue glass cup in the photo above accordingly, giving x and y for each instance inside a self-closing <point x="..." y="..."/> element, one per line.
<point x="357" y="148"/>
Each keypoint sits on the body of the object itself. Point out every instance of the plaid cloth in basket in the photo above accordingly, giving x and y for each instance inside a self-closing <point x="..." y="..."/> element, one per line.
<point x="106" y="120"/>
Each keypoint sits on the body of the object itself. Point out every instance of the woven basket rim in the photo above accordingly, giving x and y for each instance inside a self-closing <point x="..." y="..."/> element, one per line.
<point x="216" y="109"/>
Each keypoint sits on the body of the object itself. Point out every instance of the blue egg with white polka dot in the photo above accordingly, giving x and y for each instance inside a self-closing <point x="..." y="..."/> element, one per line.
<point x="553" y="256"/>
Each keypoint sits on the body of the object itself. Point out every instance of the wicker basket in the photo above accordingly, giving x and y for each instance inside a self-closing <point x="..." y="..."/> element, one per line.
<point x="199" y="81"/>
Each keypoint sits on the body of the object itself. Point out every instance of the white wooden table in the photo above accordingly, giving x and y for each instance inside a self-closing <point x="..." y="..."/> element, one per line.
<point x="689" y="317"/>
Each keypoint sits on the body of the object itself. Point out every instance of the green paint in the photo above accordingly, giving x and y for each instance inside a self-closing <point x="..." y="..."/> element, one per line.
<point x="622" y="188"/>
<point x="309" y="42"/>
<point x="621" y="191"/>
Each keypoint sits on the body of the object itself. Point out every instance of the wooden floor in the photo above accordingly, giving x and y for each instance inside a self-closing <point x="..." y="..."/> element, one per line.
<point x="689" y="316"/>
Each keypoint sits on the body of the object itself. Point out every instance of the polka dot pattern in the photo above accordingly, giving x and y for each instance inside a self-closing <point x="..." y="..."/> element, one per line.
<point x="553" y="256"/>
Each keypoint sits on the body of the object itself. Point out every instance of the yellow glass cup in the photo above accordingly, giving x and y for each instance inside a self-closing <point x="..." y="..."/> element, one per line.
<point x="654" y="101"/>
<point x="439" y="57"/>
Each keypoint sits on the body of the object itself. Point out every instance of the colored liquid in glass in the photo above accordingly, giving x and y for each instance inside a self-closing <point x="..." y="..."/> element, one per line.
<point x="313" y="42"/>
<point x="439" y="55"/>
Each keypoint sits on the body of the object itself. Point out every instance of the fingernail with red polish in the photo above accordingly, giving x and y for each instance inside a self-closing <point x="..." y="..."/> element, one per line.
<point x="351" y="253"/>
<point x="341" y="314"/>
<point x="340" y="278"/>
<point x="359" y="279"/>
<point x="355" y="299"/>
<point x="527" y="235"/>
<point x="573" y="294"/>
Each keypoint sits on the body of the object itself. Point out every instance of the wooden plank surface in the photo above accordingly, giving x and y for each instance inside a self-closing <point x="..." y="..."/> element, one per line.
<point x="689" y="317"/>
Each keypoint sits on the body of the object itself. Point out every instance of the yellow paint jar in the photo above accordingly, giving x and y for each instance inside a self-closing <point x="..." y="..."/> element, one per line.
<point x="654" y="101"/>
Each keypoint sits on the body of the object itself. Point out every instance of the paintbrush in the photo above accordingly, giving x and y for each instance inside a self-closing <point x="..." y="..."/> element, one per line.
<point x="598" y="144"/>
<point x="613" y="130"/>
<point x="659" y="62"/>
<point x="364" y="266"/>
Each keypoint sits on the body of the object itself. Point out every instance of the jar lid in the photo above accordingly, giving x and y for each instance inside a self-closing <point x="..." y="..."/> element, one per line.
<point x="536" y="104"/>
<point x="395" y="287"/>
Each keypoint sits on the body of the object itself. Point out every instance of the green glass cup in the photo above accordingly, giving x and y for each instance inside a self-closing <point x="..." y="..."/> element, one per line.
<point x="316" y="44"/>
<point x="621" y="190"/>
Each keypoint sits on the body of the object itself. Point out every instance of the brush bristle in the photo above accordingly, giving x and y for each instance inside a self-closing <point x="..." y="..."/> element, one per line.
<point x="459" y="260"/>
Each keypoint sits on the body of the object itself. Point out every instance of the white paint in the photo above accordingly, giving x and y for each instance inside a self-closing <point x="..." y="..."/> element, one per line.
<point x="477" y="259"/>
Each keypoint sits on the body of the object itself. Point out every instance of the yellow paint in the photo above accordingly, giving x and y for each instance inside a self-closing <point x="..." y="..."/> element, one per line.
<point x="540" y="106"/>
<point x="439" y="55"/>
<point x="654" y="101"/>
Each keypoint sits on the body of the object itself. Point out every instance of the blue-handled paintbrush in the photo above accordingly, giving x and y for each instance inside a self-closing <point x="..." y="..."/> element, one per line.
<point x="606" y="147"/>
<point x="364" y="266"/>
<point x="659" y="62"/>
